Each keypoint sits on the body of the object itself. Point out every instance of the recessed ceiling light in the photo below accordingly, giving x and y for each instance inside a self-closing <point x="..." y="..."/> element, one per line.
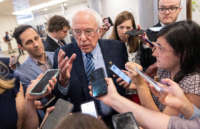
<point x="37" y="7"/>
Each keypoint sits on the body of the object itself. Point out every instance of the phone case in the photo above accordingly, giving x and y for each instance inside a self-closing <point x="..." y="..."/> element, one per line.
<point x="43" y="87"/>
<point x="62" y="108"/>
<point x="124" y="121"/>
<point x="99" y="85"/>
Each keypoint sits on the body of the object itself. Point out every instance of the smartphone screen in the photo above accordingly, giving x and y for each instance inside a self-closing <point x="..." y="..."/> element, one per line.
<point x="149" y="79"/>
<point x="124" y="121"/>
<point x="89" y="108"/>
<point x="41" y="86"/>
<point x="121" y="74"/>
<point x="99" y="85"/>
<point x="62" y="108"/>
<point x="108" y="20"/>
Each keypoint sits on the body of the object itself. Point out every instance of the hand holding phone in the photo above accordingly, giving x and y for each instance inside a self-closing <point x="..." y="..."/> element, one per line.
<point x="121" y="74"/>
<point x="99" y="85"/>
<point x="89" y="108"/>
<point x="149" y="79"/>
<point x="124" y="121"/>
<point x="108" y="20"/>
<point x="62" y="108"/>
<point x="41" y="86"/>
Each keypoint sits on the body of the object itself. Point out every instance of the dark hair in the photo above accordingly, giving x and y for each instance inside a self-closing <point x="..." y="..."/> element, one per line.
<point x="123" y="16"/>
<point x="57" y="23"/>
<point x="81" y="121"/>
<point x="184" y="38"/>
<point x="19" y="30"/>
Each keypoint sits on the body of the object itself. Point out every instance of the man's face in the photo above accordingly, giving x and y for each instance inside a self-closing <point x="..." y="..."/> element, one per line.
<point x="168" y="11"/>
<point x="165" y="55"/>
<point x="32" y="43"/>
<point x="61" y="34"/>
<point x="85" y="30"/>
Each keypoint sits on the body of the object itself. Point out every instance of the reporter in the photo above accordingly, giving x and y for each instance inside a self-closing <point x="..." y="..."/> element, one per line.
<point x="17" y="111"/>
<point x="81" y="121"/>
<point x="177" y="53"/>
<point x="146" y="117"/>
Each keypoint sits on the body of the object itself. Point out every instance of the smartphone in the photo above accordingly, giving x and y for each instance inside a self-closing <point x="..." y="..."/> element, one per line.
<point x="119" y="73"/>
<point x="89" y="108"/>
<point x="108" y="20"/>
<point x="62" y="108"/>
<point x="124" y="121"/>
<point x="97" y="80"/>
<point x="136" y="32"/>
<point x="149" y="79"/>
<point x="41" y="87"/>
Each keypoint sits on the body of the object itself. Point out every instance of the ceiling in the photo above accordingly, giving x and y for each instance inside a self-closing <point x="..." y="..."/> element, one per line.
<point x="6" y="7"/>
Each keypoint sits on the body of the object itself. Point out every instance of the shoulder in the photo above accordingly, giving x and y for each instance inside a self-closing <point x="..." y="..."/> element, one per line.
<point x="191" y="83"/>
<point x="111" y="43"/>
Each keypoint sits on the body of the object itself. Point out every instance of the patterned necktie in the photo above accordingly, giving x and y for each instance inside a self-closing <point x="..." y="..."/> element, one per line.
<point x="60" y="43"/>
<point x="89" y="65"/>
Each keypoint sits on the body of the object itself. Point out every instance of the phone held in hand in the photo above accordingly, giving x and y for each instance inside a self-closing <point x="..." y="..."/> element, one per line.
<point x="41" y="86"/>
<point x="119" y="73"/>
<point x="124" y="121"/>
<point x="89" y="108"/>
<point x="99" y="85"/>
<point x="149" y="80"/>
<point x="62" y="108"/>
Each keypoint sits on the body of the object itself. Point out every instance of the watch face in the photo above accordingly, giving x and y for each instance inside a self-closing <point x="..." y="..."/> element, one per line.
<point x="4" y="70"/>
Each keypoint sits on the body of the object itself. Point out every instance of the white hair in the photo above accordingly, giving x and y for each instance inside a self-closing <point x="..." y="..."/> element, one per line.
<point x="98" y="18"/>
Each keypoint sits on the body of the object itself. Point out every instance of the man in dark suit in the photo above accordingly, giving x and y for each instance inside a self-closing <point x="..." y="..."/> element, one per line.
<point x="168" y="12"/>
<point x="72" y="60"/>
<point x="58" y="28"/>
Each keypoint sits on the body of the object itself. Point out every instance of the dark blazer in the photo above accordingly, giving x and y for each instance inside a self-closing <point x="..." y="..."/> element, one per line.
<point x="151" y="34"/>
<point x="112" y="51"/>
<point x="50" y="45"/>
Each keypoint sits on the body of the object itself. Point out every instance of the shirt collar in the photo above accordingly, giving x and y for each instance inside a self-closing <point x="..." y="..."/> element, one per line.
<point x="53" y="38"/>
<point x="94" y="51"/>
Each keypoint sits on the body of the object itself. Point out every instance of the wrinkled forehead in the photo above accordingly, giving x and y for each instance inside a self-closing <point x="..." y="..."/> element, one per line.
<point x="84" y="18"/>
<point x="169" y="3"/>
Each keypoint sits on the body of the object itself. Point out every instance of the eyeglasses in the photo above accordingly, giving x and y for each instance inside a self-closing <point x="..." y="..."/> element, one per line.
<point x="87" y="32"/>
<point x="170" y="9"/>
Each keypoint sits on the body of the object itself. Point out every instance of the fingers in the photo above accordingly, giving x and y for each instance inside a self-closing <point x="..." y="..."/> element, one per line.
<point x="61" y="55"/>
<point x="38" y="104"/>
<point x="130" y="66"/>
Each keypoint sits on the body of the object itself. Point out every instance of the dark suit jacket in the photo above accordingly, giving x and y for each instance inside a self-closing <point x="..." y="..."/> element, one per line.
<point x="151" y="34"/>
<point x="112" y="51"/>
<point x="50" y="45"/>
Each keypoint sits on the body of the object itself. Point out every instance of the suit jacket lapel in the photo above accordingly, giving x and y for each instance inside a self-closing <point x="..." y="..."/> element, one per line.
<point x="107" y="57"/>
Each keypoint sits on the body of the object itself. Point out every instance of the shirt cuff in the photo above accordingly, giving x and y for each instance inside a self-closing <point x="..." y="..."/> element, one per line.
<point x="63" y="90"/>
<point x="196" y="113"/>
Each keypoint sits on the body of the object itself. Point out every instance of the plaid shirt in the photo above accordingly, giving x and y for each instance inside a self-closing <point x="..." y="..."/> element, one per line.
<point x="190" y="83"/>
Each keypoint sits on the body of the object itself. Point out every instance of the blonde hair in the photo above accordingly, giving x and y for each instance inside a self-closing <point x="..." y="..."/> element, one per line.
<point x="6" y="84"/>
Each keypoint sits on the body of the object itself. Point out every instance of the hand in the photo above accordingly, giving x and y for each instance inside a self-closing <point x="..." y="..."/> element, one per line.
<point x="112" y="92"/>
<point x="172" y="94"/>
<point x="103" y="29"/>
<point x="65" y="66"/>
<point x="136" y="79"/>
<point x="50" y="87"/>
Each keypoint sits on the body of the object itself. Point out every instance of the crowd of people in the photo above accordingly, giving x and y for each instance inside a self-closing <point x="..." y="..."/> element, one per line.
<point x="171" y="59"/>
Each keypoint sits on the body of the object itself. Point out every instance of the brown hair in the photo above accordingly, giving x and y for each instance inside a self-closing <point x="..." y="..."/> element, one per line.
<point x="57" y="23"/>
<point x="133" y="43"/>
<point x="81" y="121"/>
